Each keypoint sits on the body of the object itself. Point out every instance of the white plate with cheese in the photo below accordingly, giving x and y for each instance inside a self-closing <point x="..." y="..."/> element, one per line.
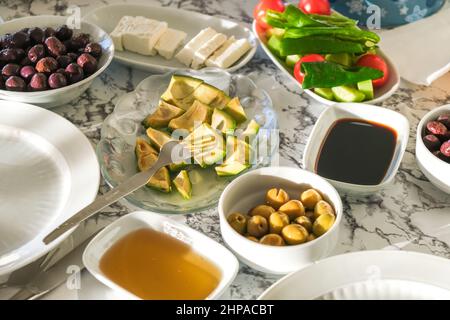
<point x="179" y="22"/>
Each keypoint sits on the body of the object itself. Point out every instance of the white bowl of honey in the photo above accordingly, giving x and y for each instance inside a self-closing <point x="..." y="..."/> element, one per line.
<point x="144" y="255"/>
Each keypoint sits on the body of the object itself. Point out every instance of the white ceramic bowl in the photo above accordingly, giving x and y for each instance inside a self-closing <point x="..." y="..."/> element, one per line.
<point x="380" y="115"/>
<point x="206" y="247"/>
<point x="435" y="169"/>
<point x="55" y="97"/>
<point x="381" y="93"/>
<point x="249" y="190"/>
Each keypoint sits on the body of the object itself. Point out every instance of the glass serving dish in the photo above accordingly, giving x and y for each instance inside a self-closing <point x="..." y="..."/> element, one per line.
<point x="115" y="150"/>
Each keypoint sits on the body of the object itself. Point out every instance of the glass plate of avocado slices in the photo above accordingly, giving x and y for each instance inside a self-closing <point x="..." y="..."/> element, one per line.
<point x="228" y="123"/>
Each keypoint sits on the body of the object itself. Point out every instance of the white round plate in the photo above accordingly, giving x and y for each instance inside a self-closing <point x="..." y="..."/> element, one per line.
<point x="190" y="22"/>
<point x="48" y="171"/>
<point x="381" y="93"/>
<point x="367" y="275"/>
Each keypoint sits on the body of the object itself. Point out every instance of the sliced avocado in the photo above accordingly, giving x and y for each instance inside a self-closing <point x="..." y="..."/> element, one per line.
<point x="251" y="131"/>
<point x="326" y="93"/>
<point x="183" y="184"/>
<point x="366" y="87"/>
<point x="206" y="145"/>
<point x="347" y="94"/>
<point x="279" y="32"/>
<point x="158" y="138"/>
<point x="344" y="59"/>
<point x="274" y="45"/>
<point x="175" y="167"/>
<point x="161" y="179"/>
<point x="180" y="87"/>
<point x="237" y="150"/>
<point x="197" y="114"/>
<point x="162" y="116"/>
<point x="143" y="148"/>
<point x="235" y="109"/>
<point x="223" y="121"/>
<point x="292" y="60"/>
<point x="230" y="169"/>
<point x="211" y="96"/>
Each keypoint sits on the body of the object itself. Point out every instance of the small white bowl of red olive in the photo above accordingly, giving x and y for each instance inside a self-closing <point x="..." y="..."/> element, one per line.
<point x="280" y="219"/>
<point x="47" y="63"/>
<point x="433" y="147"/>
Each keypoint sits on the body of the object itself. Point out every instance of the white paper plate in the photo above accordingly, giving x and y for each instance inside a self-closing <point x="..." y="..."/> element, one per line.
<point x="381" y="93"/>
<point x="190" y="22"/>
<point x="368" y="275"/>
<point x="48" y="172"/>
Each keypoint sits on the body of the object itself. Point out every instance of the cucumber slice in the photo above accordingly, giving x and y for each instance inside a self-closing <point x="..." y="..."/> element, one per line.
<point x="347" y="94"/>
<point x="292" y="60"/>
<point x="326" y="93"/>
<point x="366" y="87"/>
<point x="344" y="59"/>
<point x="274" y="45"/>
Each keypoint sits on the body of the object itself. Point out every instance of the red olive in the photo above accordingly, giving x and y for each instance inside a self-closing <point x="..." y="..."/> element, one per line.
<point x="49" y="32"/>
<point x="445" y="149"/>
<point x="436" y="128"/>
<point x="38" y="82"/>
<point x="93" y="49"/>
<point x="27" y="72"/>
<point x="431" y="142"/>
<point x="74" y="73"/>
<point x="15" y="83"/>
<point x="87" y="62"/>
<point x="37" y="35"/>
<point x="11" y="69"/>
<point x="57" y="80"/>
<point x="445" y="120"/>
<point x="63" y="61"/>
<point x="64" y="33"/>
<point x="54" y="46"/>
<point x="36" y="53"/>
<point x="46" y="65"/>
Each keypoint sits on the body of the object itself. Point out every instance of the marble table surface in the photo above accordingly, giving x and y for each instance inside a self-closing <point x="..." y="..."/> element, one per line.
<point x="411" y="215"/>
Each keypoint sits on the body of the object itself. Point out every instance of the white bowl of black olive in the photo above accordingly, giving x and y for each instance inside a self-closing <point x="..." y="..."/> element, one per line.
<point x="47" y="62"/>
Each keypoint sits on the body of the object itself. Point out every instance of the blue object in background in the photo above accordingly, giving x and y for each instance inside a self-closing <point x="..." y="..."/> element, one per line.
<point x="393" y="12"/>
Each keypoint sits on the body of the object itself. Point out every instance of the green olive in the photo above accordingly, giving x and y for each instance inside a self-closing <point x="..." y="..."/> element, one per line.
<point x="305" y="222"/>
<point x="252" y="238"/>
<point x="323" y="223"/>
<point x="310" y="197"/>
<point x="293" y="208"/>
<point x="310" y="237"/>
<point x="294" y="234"/>
<point x="277" y="221"/>
<point x="238" y="222"/>
<point x="262" y="210"/>
<point x="310" y="215"/>
<point x="272" y="240"/>
<point x="257" y="226"/>
<point x="276" y="198"/>
<point x="322" y="207"/>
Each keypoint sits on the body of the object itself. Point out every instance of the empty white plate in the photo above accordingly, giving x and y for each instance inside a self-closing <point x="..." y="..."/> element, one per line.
<point x="48" y="172"/>
<point x="367" y="275"/>
<point x="190" y="22"/>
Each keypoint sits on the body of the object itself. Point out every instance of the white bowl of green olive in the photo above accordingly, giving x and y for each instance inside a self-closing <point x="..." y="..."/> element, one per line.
<point x="279" y="219"/>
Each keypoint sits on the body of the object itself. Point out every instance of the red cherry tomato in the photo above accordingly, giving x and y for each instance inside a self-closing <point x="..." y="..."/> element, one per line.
<point x="298" y="74"/>
<point x="376" y="62"/>
<point x="259" y="12"/>
<point x="315" y="7"/>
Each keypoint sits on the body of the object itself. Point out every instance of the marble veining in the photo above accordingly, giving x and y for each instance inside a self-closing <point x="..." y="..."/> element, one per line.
<point x="410" y="215"/>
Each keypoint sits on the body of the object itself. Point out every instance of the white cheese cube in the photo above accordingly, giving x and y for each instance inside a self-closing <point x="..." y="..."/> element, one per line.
<point x="207" y="49"/>
<point x="186" y="55"/>
<point x="169" y="42"/>
<point x="210" y="61"/>
<point x="231" y="54"/>
<point x="143" y="35"/>
<point x="116" y="35"/>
